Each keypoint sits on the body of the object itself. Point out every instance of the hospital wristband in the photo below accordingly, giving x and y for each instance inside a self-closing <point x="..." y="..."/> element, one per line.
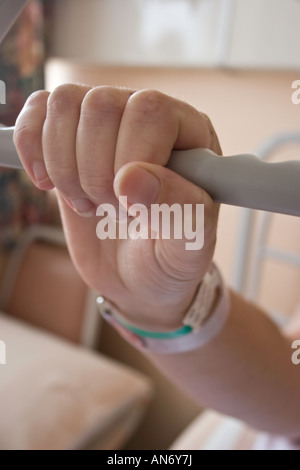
<point x="200" y="324"/>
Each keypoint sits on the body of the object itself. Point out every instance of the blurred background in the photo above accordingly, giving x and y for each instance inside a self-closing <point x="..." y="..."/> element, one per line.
<point x="235" y="61"/>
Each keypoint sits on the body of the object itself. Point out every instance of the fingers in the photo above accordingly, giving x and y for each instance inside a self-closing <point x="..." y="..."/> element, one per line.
<point x="73" y="132"/>
<point x="28" y="138"/>
<point x="154" y="123"/>
<point x="77" y="137"/>
<point x="59" y="144"/>
<point x="101" y="113"/>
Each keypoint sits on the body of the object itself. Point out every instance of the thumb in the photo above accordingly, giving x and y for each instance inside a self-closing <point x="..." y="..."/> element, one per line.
<point x="181" y="214"/>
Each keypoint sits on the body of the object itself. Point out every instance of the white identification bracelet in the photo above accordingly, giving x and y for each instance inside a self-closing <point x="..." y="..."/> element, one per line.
<point x="200" y="324"/>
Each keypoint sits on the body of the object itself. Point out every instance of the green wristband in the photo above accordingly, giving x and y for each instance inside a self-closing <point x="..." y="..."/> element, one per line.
<point x="184" y="330"/>
<point x="155" y="334"/>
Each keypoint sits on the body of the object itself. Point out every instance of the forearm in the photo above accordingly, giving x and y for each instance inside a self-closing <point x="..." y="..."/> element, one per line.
<point x="246" y="372"/>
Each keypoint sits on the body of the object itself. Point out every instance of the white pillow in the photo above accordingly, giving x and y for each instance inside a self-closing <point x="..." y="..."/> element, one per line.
<point x="54" y="395"/>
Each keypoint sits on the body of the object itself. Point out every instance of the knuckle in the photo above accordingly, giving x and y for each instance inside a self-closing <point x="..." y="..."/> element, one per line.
<point x="102" y="99"/>
<point x="212" y="138"/>
<point x="27" y="133"/>
<point x="38" y="97"/>
<point x="148" y="102"/>
<point x="208" y="122"/>
<point x="62" y="98"/>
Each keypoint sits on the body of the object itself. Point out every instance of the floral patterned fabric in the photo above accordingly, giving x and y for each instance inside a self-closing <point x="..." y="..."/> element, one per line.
<point x="22" y="56"/>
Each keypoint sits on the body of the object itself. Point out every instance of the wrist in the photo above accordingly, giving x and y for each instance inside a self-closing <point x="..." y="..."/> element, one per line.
<point x="157" y="315"/>
<point x="203" y="320"/>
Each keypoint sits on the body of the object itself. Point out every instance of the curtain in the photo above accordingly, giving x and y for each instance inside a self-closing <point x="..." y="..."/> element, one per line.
<point x="22" y="55"/>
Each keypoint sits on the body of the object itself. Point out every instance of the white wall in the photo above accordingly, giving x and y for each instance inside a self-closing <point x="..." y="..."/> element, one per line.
<point x="266" y="34"/>
<point x="236" y="33"/>
<point x="137" y="31"/>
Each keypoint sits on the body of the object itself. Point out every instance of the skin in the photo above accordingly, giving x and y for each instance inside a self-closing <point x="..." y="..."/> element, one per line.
<point x="95" y="144"/>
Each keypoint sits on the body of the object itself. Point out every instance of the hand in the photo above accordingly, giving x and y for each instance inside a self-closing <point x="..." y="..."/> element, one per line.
<point x="95" y="144"/>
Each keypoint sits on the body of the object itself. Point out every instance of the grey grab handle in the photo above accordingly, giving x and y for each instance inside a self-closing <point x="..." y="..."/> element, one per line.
<point x="240" y="180"/>
<point x="8" y="155"/>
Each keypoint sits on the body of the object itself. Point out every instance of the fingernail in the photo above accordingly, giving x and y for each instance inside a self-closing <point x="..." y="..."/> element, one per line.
<point x="39" y="172"/>
<point x="138" y="184"/>
<point x="83" y="207"/>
